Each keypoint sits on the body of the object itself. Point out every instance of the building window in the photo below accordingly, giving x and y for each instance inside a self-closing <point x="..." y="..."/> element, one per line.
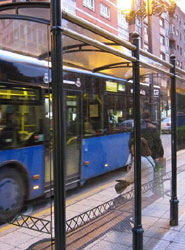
<point x="6" y="22"/>
<point x="162" y="56"/>
<point x="29" y="38"/>
<point x="181" y="51"/>
<point x="167" y="27"/>
<point x="176" y="17"/>
<point x="146" y="47"/>
<point x="7" y="39"/>
<point x="34" y="35"/>
<point x="104" y="11"/>
<point x="161" y="22"/>
<point x="167" y="58"/>
<point x="140" y="42"/>
<point x="16" y="34"/>
<point x="167" y="42"/>
<point x="172" y="28"/>
<point x="121" y="20"/>
<point x="138" y="26"/>
<point x="89" y="4"/>
<point x="145" y="29"/>
<point x="167" y="45"/>
<point x="173" y="45"/>
<point x="23" y="32"/>
<point x="162" y="40"/>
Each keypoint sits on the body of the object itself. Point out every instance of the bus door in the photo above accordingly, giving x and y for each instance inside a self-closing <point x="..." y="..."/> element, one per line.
<point x="73" y="136"/>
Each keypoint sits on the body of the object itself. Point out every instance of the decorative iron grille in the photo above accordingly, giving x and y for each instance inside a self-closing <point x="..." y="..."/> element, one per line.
<point x="44" y="226"/>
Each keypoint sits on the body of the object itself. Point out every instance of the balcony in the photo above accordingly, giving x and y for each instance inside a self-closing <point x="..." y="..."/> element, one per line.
<point x="172" y="36"/>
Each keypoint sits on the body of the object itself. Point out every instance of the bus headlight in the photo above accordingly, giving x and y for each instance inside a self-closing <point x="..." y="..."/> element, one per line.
<point x="36" y="187"/>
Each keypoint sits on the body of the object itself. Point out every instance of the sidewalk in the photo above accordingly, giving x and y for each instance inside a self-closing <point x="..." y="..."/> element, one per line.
<point x="113" y="231"/>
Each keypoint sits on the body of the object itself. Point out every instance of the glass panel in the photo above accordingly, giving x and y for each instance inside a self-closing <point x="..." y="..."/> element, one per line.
<point x="26" y="172"/>
<point x="104" y="156"/>
<point x="180" y="100"/>
<point x="156" y="163"/>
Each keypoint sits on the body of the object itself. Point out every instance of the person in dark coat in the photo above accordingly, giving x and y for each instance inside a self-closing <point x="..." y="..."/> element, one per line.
<point x="150" y="132"/>
<point x="147" y="168"/>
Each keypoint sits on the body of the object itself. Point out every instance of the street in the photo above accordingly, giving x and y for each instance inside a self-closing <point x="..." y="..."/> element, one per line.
<point x="92" y="186"/>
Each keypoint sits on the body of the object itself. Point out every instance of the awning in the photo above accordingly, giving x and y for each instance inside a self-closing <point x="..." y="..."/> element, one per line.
<point x="26" y="31"/>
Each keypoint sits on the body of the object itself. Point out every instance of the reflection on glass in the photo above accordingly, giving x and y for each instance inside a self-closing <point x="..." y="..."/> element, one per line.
<point x="28" y="38"/>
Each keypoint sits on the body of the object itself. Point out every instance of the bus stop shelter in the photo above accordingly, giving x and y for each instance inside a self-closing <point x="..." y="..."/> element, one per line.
<point x="71" y="41"/>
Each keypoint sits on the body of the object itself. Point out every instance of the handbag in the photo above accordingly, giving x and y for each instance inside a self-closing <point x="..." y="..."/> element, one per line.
<point x="160" y="164"/>
<point x="121" y="186"/>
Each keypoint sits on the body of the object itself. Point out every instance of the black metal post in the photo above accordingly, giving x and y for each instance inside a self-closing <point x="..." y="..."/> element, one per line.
<point x="174" y="201"/>
<point x="59" y="126"/>
<point x="137" y="229"/>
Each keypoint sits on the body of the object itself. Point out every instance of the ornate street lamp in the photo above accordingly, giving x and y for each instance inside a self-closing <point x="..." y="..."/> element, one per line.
<point x="145" y="8"/>
<point x="141" y="9"/>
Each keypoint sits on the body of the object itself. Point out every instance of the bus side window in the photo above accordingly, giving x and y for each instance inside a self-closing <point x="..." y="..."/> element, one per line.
<point x="9" y="136"/>
<point x="47" y="129"/>
<point x="20" y="113"/>
<point x="115" y="106"/>
<point x="93" y="113"/>
<point x="48" y="117"/>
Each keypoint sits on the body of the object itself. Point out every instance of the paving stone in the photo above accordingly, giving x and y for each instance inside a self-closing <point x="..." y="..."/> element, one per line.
<point x="175" y="246"/>
<point x="158" y="235"/>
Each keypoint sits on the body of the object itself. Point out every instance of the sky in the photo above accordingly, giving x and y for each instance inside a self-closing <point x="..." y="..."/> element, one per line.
<point x="181" y="4"/>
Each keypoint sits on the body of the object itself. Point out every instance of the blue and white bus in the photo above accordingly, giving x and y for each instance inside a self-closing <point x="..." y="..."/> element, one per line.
<point x="96" y="143"/>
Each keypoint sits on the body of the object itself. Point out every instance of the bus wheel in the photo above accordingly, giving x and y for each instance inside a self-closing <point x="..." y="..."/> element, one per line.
<point x="11" y="194"/>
